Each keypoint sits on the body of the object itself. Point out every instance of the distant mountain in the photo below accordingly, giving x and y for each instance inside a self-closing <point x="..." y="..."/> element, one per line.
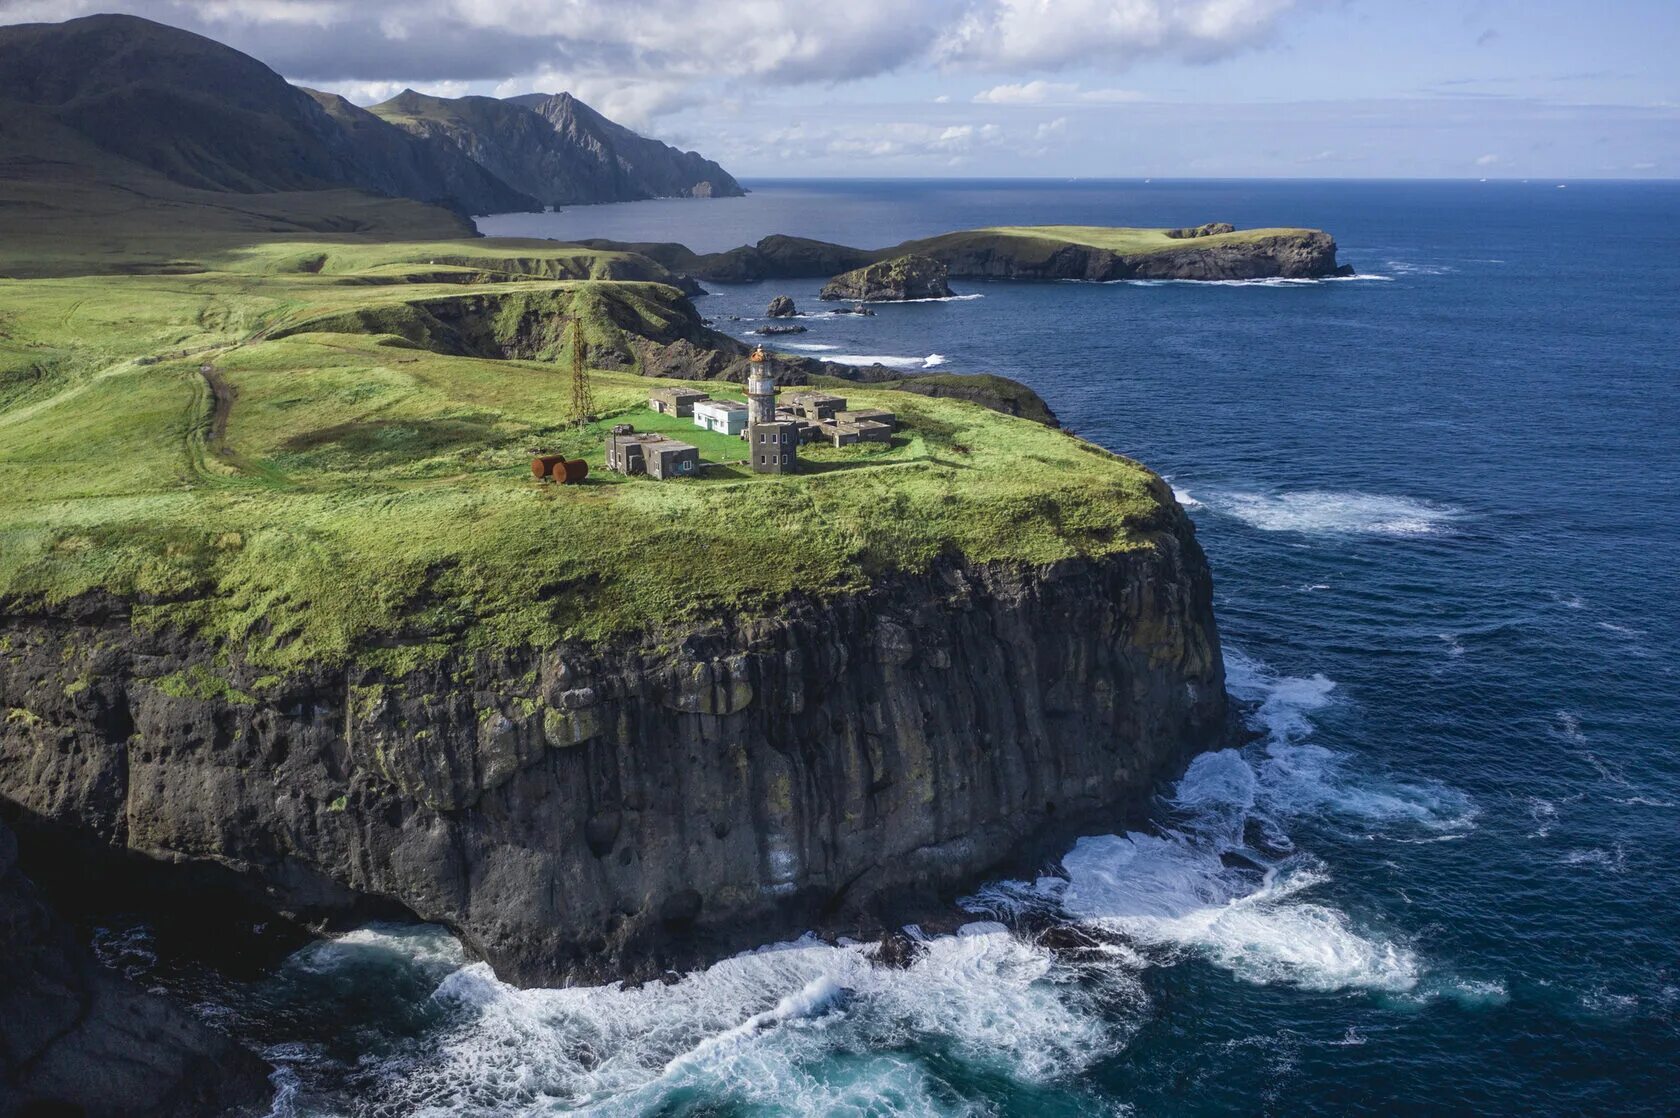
<point x="557" y="149"/>
<point x="647" y="166"/>
<point x="208" y="117"/>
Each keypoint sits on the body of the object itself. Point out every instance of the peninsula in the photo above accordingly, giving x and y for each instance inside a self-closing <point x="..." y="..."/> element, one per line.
<point x="289" y="629"/>
<point x="1215" y="251"/>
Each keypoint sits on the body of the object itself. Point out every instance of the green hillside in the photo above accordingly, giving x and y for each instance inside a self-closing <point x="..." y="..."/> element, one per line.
<point x="327" y="488"/>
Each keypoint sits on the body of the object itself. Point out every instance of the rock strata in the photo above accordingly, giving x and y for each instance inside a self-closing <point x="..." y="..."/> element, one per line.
<point x="895" y="280"/>
<point x="654" y="801"/>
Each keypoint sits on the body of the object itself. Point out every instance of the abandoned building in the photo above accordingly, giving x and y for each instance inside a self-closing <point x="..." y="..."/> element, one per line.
<point x="817" y="407"/>
<point x="774" y="448"/>
<point x="726" y="417"/>
<point x="675" y="401"/>
<point x="657" y="456"/>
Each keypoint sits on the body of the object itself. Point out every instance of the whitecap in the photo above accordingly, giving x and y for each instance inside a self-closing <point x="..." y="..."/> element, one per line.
<point x="1336" y="512"/>
<point x="1183" y="497"/>
<point x="808" y="347"/>
<point x="1455" y="648"/>
<point x="1614" y="860"/>
<point x="889" y="360"/>
<point x="761" y="1030"/>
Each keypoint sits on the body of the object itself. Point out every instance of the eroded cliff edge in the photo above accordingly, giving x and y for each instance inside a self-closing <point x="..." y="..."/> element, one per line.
<point x="636" y="804"/>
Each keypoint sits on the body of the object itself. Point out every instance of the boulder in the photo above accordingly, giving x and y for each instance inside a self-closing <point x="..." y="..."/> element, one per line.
<point x="895" y="280"/>
<point x="773" y="330"/>
<point x="781" y="307"/>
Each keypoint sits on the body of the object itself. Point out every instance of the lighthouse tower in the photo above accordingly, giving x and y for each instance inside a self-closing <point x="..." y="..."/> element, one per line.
<point x="761" y="391"/>
<point x="772" y="444"/>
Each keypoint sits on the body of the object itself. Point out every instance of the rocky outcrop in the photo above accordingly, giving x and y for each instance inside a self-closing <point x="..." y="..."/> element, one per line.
<point x="775" y="331"/>
<point x="77" y="1039"/>
<point x="646" y="802"/>
<point x="781" y="307"/>
<point x="1211" y="229"/>
<point x="896" y="280"/>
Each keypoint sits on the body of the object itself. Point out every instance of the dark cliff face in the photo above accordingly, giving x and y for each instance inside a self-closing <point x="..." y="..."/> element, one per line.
<point x="557" y="149"/>
<point x="654" y="802"/>
<point x="76" y="1038"/>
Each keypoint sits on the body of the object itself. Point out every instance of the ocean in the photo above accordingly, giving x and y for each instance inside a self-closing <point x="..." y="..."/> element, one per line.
<point x="1441" y="500"/>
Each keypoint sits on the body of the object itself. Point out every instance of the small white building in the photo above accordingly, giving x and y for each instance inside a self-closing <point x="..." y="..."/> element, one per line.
<point x="726" y="417"/>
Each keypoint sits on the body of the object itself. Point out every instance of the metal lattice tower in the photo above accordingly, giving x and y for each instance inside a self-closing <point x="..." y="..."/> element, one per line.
<point x="583" y="401"/>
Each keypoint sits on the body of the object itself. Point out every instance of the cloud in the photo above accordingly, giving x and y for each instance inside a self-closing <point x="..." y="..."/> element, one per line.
<point x="691" y="45"/>
<point x="1026" y="93"/>
<point x="1014" y="34"/>
<point x="1058" y="93"/>
<point x="1487" y="160"/>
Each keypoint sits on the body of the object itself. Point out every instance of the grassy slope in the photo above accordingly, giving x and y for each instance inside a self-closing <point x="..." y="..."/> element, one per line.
<point x="1037" y="242"/>
<point x="330" y="495"/>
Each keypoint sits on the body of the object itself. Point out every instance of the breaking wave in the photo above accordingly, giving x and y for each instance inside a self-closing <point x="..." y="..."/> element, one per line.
<point x="1258" y="281"/>
<point x="1334" y="512"/>
<point x="1221" y="878"/>
<point x="932" y="360"/>
<point x="796" y="1028"/>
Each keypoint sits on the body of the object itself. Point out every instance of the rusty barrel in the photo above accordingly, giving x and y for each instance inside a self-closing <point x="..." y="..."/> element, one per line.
<point x="543" y="464"/>
<point x="574" y="471"/>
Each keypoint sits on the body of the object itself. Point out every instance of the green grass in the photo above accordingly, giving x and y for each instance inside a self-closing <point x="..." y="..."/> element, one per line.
<point x="1132" y="242"/>
<point x="334" y="491"/>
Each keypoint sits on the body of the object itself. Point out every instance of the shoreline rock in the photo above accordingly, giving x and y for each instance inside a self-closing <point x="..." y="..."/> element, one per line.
<point x="897" y="280"/>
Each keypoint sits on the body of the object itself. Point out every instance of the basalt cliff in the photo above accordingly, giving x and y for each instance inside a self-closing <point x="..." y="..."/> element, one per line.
<point x="630" y="805"/>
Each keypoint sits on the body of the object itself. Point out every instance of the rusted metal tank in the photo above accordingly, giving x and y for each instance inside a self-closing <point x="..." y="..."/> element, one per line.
<point x="543" y="464"/>
<point x="572" y="472"/>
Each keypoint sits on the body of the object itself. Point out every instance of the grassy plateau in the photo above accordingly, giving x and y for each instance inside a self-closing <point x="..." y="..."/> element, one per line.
<point x="242" y="433"/>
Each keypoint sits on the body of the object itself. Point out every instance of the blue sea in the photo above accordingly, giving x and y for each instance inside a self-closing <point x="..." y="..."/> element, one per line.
<point x="1441" y="500"/>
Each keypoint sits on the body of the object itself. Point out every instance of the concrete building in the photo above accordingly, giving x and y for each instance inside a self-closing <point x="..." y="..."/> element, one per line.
<point x="773" y="448"/>
<point x="726" y="417"/>
<point x="818" y="407"/>
<point x="655" y="455"/>
<point x="867" y="415"/>
<point x="675" y="401"/>
<point x="668" y="458"/>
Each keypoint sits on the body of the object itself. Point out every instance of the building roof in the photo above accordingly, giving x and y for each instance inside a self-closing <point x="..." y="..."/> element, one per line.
<point x="680" y="394"/>
<point x="720" y="405"/>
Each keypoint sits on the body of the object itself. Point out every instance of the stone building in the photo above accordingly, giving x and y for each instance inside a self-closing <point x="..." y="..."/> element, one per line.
<point x="657" y="456"/>
<point x="818" y="407"/>
<point x="773" y="448"/>
<point x="675" y="401"/>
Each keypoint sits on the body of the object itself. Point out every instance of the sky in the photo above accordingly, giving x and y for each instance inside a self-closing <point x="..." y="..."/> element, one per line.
<point x="1024" y="88"/>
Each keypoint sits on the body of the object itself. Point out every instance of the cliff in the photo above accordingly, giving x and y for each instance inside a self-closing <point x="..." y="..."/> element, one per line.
<point x="1215" y="251"/>
<point x="645" y="802"/>
<point x="76" y="1038"/>
<point x="639" y="167"/>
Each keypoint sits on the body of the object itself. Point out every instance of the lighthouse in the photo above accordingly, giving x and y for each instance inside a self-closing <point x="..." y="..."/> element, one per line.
<point x="772" y="444"/>
<point x="761" y="391"/>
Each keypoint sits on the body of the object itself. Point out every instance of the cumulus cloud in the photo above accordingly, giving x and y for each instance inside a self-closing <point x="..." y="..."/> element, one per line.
<point x="686" y="44"/>
<point x="1487" y="160"/>
<point x="1026" y="93"/>
<point x="1015" y="34"/>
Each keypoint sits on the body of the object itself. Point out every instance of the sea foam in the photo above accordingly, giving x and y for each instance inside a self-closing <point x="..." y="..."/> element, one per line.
<point x="1333" y="512"/>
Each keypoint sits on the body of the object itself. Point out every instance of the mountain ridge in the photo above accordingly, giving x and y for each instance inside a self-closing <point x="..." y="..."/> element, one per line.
<point x="209" y="117"/>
